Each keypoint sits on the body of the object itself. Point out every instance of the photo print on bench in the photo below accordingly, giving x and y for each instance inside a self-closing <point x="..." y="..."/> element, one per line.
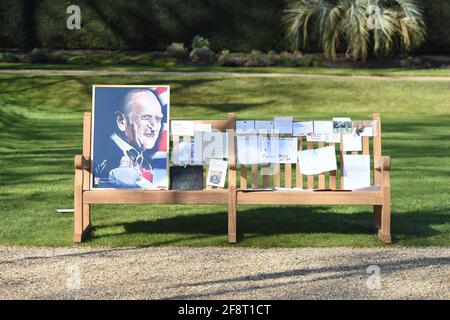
<point x="130" y="140"/>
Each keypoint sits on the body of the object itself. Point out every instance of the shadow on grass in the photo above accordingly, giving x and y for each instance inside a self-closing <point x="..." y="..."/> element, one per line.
<point x="269" y="221"/>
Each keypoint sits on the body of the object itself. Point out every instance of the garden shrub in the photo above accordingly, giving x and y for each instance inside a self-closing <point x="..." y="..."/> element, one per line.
<point x="199" y="43"/>
<point x="177" y="50"/>
<point x="203" y="56"/>
<point x="9" y="57"/>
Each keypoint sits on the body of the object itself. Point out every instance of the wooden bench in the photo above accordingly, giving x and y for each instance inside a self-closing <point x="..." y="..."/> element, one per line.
<point x="377" y="196"/>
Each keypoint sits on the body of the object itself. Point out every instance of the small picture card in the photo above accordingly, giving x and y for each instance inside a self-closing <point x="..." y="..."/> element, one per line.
<point x="364" y="128"/>
<point x="182" y="128"/>
<point x="217" y="173"/>
<point x="282" y="125"/>
<point x="342" y="125"/>
<point x="351" y="142"/>
<point x="302" y="128"/>
<point x="263" y="127"/>
<point x="323" y="127"/>
<point x="245" y="126"/>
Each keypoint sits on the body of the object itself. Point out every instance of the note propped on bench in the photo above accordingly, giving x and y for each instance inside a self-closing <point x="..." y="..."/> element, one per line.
<point x="356" y="172"/>
<point x="316" y="161"/>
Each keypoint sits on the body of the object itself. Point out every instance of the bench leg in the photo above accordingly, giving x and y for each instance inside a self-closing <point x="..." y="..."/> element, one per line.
<point x="377" y="217"/>
<point x="78" y="207"/>
<point x="232" y="201"/>
<point x="382" y="223"/>
<point x="385" y="228"/>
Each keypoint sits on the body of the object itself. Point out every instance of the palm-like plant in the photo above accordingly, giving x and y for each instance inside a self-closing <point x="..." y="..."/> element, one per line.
<point x="357" y="26"/>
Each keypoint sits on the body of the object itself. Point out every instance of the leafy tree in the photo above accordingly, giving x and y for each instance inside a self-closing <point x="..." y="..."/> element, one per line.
<point x="357" y="26"/>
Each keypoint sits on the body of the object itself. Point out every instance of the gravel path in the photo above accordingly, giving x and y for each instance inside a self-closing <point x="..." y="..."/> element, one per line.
<point x="222" y="74"/>
<point x="224" y="273"/>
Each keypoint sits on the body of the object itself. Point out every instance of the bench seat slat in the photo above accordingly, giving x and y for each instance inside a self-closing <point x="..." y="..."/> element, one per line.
<point x="216" y="196"/>
<point x="310" y="197"/>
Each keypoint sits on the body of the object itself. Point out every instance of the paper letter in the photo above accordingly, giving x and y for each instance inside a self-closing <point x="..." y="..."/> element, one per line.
<point x="323" y="127"/>
<point x="182" y="128"/>
<point x="356" y="171"/>
<point x="316" y="161"/>
<point x="283" y="125"/>
<point x="303" y="128"/>
<point x="351" y="142"/>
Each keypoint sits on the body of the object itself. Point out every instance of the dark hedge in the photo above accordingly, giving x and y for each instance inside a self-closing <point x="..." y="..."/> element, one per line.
<point x="236" y="25"/>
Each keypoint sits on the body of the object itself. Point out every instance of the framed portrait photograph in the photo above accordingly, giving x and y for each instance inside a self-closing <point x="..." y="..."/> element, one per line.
<point x="130" y="140"/>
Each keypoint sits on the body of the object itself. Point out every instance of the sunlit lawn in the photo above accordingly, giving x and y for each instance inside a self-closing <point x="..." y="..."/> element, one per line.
<point x="40" y="132"/>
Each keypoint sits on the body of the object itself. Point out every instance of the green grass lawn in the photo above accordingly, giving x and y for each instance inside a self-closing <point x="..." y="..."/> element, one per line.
<point x="40" y="132"/>
<point x="385" y="72"/>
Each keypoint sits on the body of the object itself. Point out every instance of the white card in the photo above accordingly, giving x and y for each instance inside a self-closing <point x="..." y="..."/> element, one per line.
<point x="287" y="150"/>
<point x="333" y="138"/>
<point x="356" y="171"/>
<point x="182" y="128"/>
<point x="268" y="149"/>
<point x="185" y="153"/>
<point x="215" y="145"/>
<point x="217" y="173"/>
<point x="247" y="149"/>
<point x="316" y="161"/>
<point x="323" y="127"/>
<point x="302" y="128"/>
<point x="313" y="137"/>
<point x="351" y="142"/>
<point x="245" y="126"/>
<point x="282" y="125"/>
<point x="342" y="125"/>
<point x="203" y="127"/>
<point x="263" y="127"/>
<point x="198" y="148"/>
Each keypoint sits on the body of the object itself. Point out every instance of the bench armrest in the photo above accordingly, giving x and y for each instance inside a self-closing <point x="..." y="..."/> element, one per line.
<point x="384" y="164"/>
<point x="81" y="163"/>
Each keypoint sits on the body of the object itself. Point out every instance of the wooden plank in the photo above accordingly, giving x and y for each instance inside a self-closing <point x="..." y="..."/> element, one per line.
<point x="321" y="144"/>
<point x="332" y="177"/>
<point x="377" y="152"/>
<point x="254" y="176"/>
<point x="342" y="153"/>
<point x="311" y="197"/>
<point x="266" y="178"/>
<point x="87" y="132"/>
<point x="277" y="175"/>
<point x="298" y="172"/>
<point x="366" y="145"/>
<point x="216" y="196"/>
<point x="243" y="177"/>
<point x="288" y="175"/>
<point x="206" y="178"/>
<point x="232" y="190"/>
<point x="309" y="146"/>
<point x="78" y="206"/>
<point x="385" y="228"/>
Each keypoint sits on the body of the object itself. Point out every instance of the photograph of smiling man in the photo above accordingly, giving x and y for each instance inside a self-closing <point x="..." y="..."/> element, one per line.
<point x="130" y="139"/>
